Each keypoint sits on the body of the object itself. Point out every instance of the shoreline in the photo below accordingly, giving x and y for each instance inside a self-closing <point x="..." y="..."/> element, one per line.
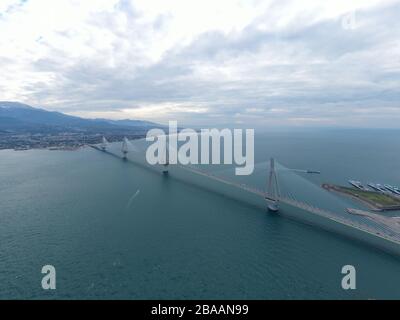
<point x="369" y="204"/>
<point x="66" y="147"/>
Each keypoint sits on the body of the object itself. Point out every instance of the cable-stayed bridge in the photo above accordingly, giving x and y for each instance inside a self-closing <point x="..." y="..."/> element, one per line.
<point x="278" y="196"/>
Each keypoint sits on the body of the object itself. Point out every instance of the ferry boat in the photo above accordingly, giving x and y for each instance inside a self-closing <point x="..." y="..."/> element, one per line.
<point x="392" y="189"/>
<point x="357" y="184"/>
<point x="381" y="188"/>
<point x="377" y="187"/>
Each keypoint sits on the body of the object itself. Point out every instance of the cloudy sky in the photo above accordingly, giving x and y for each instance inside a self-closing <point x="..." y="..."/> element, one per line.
<point x="206" y="62"/>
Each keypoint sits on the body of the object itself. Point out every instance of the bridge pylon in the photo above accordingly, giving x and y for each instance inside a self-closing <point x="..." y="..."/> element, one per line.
<point x="104" y="144"/>
<point x="273" y="192"/>
<point x="166" y="164"/>
<point x="125" y="149"/>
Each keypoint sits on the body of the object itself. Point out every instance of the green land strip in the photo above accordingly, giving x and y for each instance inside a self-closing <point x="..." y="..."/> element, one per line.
<point x="375" y="200"/>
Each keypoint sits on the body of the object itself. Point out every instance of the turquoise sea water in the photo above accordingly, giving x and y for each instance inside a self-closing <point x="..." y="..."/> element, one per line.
<point x="114" y="230"/>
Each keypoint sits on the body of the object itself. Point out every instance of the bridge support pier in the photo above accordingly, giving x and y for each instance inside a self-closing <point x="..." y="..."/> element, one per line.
<point x="104" y="144"/>
<point x="272" y="197"/>
<point x="125" y="149"/>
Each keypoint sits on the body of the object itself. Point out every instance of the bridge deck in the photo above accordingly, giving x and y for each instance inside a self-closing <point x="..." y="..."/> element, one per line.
<point x="376" y="229"/>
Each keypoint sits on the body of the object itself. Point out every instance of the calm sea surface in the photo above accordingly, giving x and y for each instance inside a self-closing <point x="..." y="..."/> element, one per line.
<point x="114" y="230"/>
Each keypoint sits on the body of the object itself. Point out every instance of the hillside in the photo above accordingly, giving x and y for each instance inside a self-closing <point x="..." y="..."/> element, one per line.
<point x="21" y="118"/>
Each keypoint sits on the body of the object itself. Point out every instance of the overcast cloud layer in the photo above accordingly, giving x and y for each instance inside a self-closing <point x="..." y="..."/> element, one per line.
<point x="252" y="62"/>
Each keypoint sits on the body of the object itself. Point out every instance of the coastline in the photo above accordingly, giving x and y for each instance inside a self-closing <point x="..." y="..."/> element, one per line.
<point x="331" y="188"/>
<point x="368" y="203"/>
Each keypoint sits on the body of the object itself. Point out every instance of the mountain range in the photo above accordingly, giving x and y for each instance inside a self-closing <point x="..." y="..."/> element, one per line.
<point x="17" y="117"/>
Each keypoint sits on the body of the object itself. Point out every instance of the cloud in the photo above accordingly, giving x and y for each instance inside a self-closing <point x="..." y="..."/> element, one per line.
<point x="206" y="62"/>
